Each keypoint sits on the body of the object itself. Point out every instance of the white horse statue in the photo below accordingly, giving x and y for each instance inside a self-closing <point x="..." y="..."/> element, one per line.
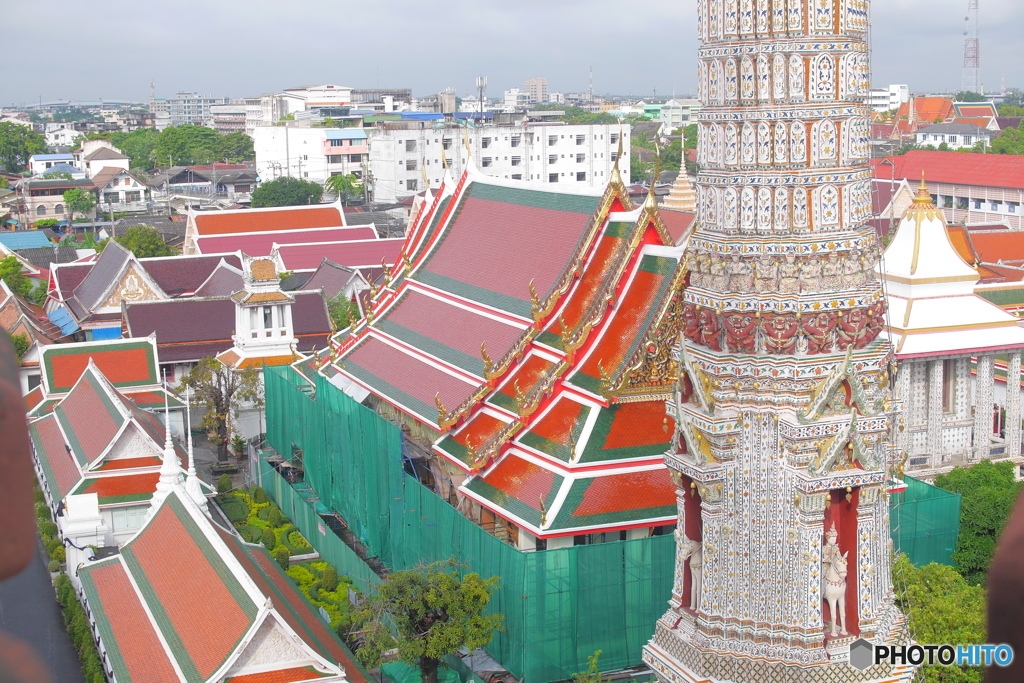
<point x="693" y="551"/>
<point x="834" y="588"/>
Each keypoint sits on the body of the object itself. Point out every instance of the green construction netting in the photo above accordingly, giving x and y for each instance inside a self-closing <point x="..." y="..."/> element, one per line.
<point x="924" y="521"/>
<point x="559" y="605"/>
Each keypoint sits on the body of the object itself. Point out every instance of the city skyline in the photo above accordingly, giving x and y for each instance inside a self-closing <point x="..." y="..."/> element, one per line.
<point x="219" y="51"/>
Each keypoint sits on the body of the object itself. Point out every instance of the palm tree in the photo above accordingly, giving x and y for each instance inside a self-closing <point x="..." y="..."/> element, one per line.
<point x="345" y="186"/>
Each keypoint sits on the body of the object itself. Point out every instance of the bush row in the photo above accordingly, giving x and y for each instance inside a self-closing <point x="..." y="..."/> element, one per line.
<point x="321" y="584"/>
<point x="77" y="624"/>
<point x="259" y="520"/>
<point x="49" y="534"/>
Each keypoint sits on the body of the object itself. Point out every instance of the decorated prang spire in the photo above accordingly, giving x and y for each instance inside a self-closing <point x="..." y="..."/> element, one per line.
<point x="170" y="467"/>
<point x="192" y="484"/>
<point x="783" y="406"/>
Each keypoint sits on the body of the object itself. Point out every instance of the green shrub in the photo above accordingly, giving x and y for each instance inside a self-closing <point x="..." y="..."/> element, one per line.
<point x="47" y="530"/>
<point x="250" y="533"/>
<point x="297" y="541"/>
<point x="58" y="554"/>
<point x="282" y="556"/>
<point x="43" y="512"/>
<point x="52" y="544"/>
<point x="224" y="484"/>
<point x="53" y="566"/>
<point x="301" y="575"/>
<point x="234" y="509"/>
<point x="40" y="498"/>
<point x="268" y="539"/>
<point x="259" y="495"/>
<point x="329" y="580"/>
<point x="275" y="517"/>
<point x="78" y="630"/>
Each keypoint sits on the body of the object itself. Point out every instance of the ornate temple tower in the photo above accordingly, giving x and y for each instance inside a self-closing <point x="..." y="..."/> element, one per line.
<point x="783" y="407"/>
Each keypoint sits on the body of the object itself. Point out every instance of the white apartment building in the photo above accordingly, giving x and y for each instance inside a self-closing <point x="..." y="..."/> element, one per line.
<point x="537" y="89"/>
<point x="885" y="99"/>
<point x="309" y="153"/>
<point x="270" y="108"/>
<point x="184" y="109"/>
<point x="585" y="154"/>
<point x="678" y="113"/>
<point x="514" y="99"/>
<point x="230" y="117"/>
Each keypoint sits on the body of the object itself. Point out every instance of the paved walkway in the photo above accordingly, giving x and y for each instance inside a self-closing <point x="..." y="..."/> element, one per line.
<point x="29" y="611"/>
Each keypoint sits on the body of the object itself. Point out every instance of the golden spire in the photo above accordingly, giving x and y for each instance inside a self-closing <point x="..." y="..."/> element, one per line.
<point x="922" y="197"/>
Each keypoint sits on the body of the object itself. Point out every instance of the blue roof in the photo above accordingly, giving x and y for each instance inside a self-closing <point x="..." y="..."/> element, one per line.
<point x="422" y="116"/>
<point x="346" y="134"/>
<point x="51" y="157"/>
<point x="23" y="239"/>
<point x="62" y="167"/>
<point x="473" y="115"/>
<point x="62" y="319"/>
<point x="101" y="333"/>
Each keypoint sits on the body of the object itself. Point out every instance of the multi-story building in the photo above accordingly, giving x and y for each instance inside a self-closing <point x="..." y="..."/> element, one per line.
<point x="887" y="99"/>
<point x="537" y="89"/>
<point x="678" y="113"/>
<point x="230" y="117"/>
<point x="309" y="153"/>
<point x="401" y="157"/>
<point x="956" y="135"/>
<point x="514" y="99"/>
<point x="184" y="109"/>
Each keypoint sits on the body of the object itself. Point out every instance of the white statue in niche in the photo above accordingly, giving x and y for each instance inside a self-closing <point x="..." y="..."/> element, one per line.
<point x="834" y="589"/>
<point x="692" y="551"/>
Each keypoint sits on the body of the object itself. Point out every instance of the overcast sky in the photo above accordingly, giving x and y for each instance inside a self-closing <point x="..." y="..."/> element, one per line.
<point x="83" y="50"/>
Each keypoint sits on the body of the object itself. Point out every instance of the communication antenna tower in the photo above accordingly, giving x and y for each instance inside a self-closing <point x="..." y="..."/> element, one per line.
<point x="590" y="91"/>
<point x="481" y="87"/>
<point x="972" y="49"/>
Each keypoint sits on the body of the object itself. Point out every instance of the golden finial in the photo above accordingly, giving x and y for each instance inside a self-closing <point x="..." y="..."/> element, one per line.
<point x="602" y="373"/>
<point x="543" y="512"/>
<point x="574" y="454"/>
<point x="465" y="139"/>
<point x="535" y="300"/>
<point x="384" y="267"/>
<point x="518" y="392"/>
<point x="373" y="289"/>
<point x="664" y="424"/>
<point x="922" y="197"/>
<point x="488" y="363"/>
<point x="442" y="413"/>
<point x="408" y="265"/>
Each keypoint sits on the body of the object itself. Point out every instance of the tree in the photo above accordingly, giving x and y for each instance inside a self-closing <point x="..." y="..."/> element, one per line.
<point x="345" y="186"/>
<point x="1010" y="141"/>
<point x="20" y="342"/>
<point x="435" y="612"/>
<point x="286" y="192"/>
<point x="343" y="311"/>
<point x="144" y="241"/>
<point x="17" y="144"/>
<point x="593" y="672"/>
<point x="78" y="201"/>
<point x="970" y="96"/>
<point x="222" y="391"/>
<point x="987" y="491"/>
<point x="943" y="608"/>
<point x="10" y="272"/>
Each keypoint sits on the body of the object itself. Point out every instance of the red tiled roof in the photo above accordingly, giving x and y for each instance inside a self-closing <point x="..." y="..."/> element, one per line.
<point x="300" y="673"/>
<point x="138" y="652"/>
<point x="479" y="430"/>
<point x="501" y="247"/>
<point x="200" y="607"/>
<point x="525" y="375"/>
<point x="957" y="168"/>
<point x="34" y="398"/>
<point x="640" y="424"/>
<point x="629" y="491"/>
<point x="993" y="247"/>
<point x="595" y="274"/>
<point x="89" y="419"/>
<point x="68" y="276"/>
<point x="557" y="422"/>
<point x="121" y="364"/>
<point x="129" y="463"/>
<point x="928" y="109"/>
<point x="259" y="220"/>
<point x="354" y="254"/>
<point x="261" y="244"/>
<point x="58" y="464"/>
<point x="522" y="480"/>
<point x="677" y="222"/>
<point x="184" y="274"/>
<point x="122" y="485"/>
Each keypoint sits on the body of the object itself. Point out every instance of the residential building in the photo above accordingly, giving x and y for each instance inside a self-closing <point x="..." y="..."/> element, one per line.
<point x="383" y="100"/>
<point x="120" y="191"/>
<point x="38" y="164"/>
<point x="184" y="108"/>
<point x="45" y="198"/>
<point x="229" y="117"/>
<point x="954" y="135"/>
<point x="215" y="185"/>
<point x="309" y="153"/>
<point x="515" y="99"/>
<point x="403" y="157"/>
<point x="170" y="228"/>
<point x="676" y="114"/>
<point x="61" y="135"/>
<point x="968" y="187"/>
<point x="19" y="317"/>
<point x="887" y="99"/>
<point x="96" y="155"/>
<point x="537" y="89"/>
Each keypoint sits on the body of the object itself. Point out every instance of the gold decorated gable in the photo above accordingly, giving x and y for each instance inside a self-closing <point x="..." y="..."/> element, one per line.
<point x="132" y="287"/>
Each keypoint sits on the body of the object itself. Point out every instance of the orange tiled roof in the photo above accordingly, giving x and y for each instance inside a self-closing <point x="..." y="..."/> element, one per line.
<point x="299" y="673"/>
<point x="216" y="223"/>
<point x="612" y="494"/>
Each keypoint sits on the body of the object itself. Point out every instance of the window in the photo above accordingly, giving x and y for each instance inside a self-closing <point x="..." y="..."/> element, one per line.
<point x="410" y="145"/>
<point x="355" y="158"/>
<point x="268" y="317"/>
<point x="961" y="202"/>
<point x="977" y="204"/>
<point x="552" y="158"/>
<point x="334" y="158"/>
<point x="1011" y="207"/>
<point x="411" y="185"/>
<point x="129" y="518"/>
<point x="135" y="196"/>
<point x="552" y="139"/>
<point x="947" y="202"/>
<point x="517" y="176"/>
<point x="111" y="198"/>
<point x="410" y="164"/>
<point x="486" y="161"/>
<point x="581" y="176"/>
<point x="952" y="139"/>
<point x="517" y="161"/>
<point x="580" y="139"/>
<point x="446" y="143"/>
<point x="59" y="209"/>
<point x="485" y="142"/>
<point x="516" y="140"/>
<point x="968" y="140"/>
<point x="241" y="188"/>
<point x="552" y="177"/>
<point x="994" y="205"/>
<point x="614" y="156"/>
<point x="580" y="158"/>
<point x="116" y="181"/>
<point x="613" y="138"/>
<point x="305" y="157"/>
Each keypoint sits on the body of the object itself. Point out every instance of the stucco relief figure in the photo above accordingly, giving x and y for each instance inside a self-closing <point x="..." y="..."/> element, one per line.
<point x="819" y="329"/>
<point x="810" y="275"/>
<point x="709" y="329"/>
<point x="780" y="333"/>
<point x="691" y="551"/>
<point x="691" y="323"/>
<point x="740" y="277"/>
<point x="852" y="329"/>
<point x="702" y="267"/>
<point x="853" y="270"/>
<point x="834" y="588"/>
<point x="831" y="271"/>
<point x="789" y="275"/>
<point x="741" y="332"/>
<point x="719" y="276"/>
<point x="766" y="275"/>
<point x="132" y="289"/>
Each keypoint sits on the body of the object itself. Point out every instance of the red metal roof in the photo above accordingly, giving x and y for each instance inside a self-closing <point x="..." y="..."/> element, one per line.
<point x="262" y="243"/>
<point x="259" y="220"/>
<point x="354" y="254"/>
<point x="956" y="168"/>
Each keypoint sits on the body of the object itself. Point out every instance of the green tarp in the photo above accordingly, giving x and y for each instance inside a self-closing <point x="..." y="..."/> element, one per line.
<point x="924" y="521"/>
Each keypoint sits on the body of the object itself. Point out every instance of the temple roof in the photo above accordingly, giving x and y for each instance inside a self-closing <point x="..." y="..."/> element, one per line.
<point x="516" y="320"/>
<point x="186" y="600"/>
<point x="262" y="243"/>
